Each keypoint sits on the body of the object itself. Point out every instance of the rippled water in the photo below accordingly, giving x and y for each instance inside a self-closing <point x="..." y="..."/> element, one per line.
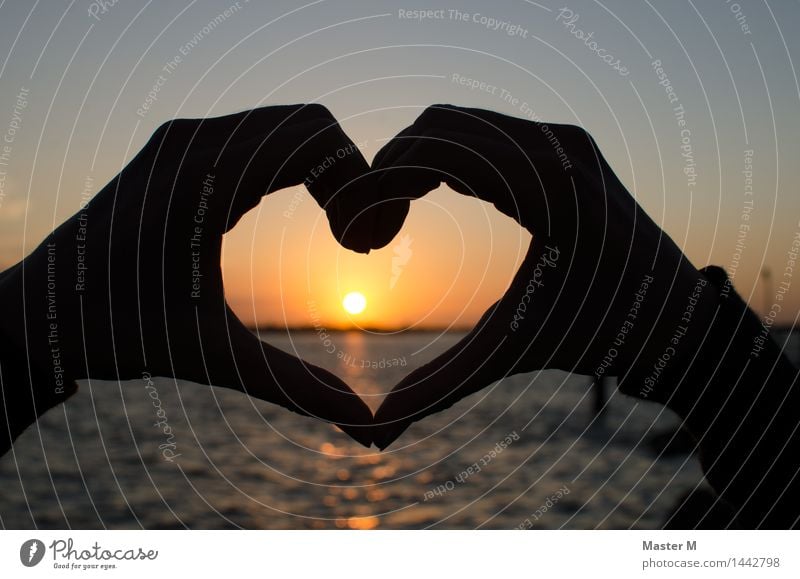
<point x="95" y="462"/>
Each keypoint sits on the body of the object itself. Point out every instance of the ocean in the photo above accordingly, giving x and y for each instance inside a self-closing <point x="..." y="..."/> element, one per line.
<point x="527" y="452"/>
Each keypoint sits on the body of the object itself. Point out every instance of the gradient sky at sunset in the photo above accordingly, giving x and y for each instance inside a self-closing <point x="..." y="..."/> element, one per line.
<point x="83" y="78"/>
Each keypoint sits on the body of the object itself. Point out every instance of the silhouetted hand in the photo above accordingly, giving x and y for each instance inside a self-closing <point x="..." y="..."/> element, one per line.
<point x="602" y="291"/>
<point x="133" y="284"/>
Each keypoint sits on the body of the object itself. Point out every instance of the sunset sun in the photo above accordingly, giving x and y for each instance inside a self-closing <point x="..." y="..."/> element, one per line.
<point x="354" y="303"/>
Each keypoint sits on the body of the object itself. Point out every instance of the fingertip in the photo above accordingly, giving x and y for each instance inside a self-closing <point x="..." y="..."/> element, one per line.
<point x="386" y="428"/>
<point x="355" y="418"/>
<point x="352" y="238"/>
<point x="373" y="227"/>
<point x="350" y="224"/>
<point x="385" y="436"/>
<point x="361" y="434"/>
<point x="331" y="400"/>
<point x="389" y="218"/>
<point x="395" y="189"/>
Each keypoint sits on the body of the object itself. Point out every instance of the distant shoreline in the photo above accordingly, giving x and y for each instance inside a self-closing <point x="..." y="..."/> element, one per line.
<point x="781" y="328"/>
<point x="363" y="329"/>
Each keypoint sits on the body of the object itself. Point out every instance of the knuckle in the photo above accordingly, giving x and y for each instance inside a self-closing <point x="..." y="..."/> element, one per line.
<point x="313" y="111"/>
<point x="575" y="134"/>
<point x="433" y="115"/>
<point x="172" y="131"/>
<point x="577" y="141"/>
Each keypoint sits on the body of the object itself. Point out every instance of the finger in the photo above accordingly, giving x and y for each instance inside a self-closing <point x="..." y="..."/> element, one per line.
<point x="505" y="341"/>
<point x="501" y="160"/>
<point x="515" y="182"/>
<point x="260" y="151"/>
<point x="228" y="130"/>
<point x="316" y="153"/>
<point x="470" y="365"/>
<point x="413" y="163"/>
<point x="274" y="375"/>
<point x="235" y="358"/>
<point x="530" y="135"/>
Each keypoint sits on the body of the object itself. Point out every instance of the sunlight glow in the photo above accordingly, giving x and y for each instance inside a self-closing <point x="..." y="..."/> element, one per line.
<point x="354" y="303"/>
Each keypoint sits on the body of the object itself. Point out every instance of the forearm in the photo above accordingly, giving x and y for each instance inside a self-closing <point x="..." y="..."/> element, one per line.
<point x="27" y="389"/>
<point x="739" y="397"/>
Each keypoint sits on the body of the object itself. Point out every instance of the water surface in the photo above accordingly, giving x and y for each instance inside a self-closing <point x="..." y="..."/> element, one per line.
<point x="98" y="460"/>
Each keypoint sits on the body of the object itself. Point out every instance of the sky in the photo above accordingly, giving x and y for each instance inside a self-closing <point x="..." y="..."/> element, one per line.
<point x="84" y="70"/>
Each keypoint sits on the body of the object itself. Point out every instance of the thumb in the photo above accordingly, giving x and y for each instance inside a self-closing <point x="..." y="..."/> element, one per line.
<point x="237" y="359"/>
<point x="507" y="340"/>
<point x="472" y="364"/>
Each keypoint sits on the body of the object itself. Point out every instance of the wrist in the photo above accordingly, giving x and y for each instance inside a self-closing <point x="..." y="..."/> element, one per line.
<point x="675" y="318"/>
<point x="722" y="341"/>
<point x="738" y="396"/>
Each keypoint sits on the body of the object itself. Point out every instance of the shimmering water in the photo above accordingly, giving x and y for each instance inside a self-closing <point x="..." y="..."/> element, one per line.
<point x="96" y="462"/>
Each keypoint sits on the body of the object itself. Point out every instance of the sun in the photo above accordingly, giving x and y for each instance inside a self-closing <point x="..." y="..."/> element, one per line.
<point x="354" y="303"/>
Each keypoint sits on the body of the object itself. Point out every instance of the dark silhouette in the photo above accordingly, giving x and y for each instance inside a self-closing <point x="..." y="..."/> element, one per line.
<point x="603" y="291"/>
<point x="150" y="297"/>
<point x="701" y="509"/>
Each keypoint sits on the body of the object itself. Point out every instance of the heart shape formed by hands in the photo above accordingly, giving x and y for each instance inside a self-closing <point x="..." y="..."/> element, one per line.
<point x="150" y="297"/>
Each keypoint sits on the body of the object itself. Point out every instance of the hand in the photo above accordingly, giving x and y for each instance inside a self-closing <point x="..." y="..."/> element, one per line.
<point x="602" y="291"/>
<point x="133" y="283"/>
